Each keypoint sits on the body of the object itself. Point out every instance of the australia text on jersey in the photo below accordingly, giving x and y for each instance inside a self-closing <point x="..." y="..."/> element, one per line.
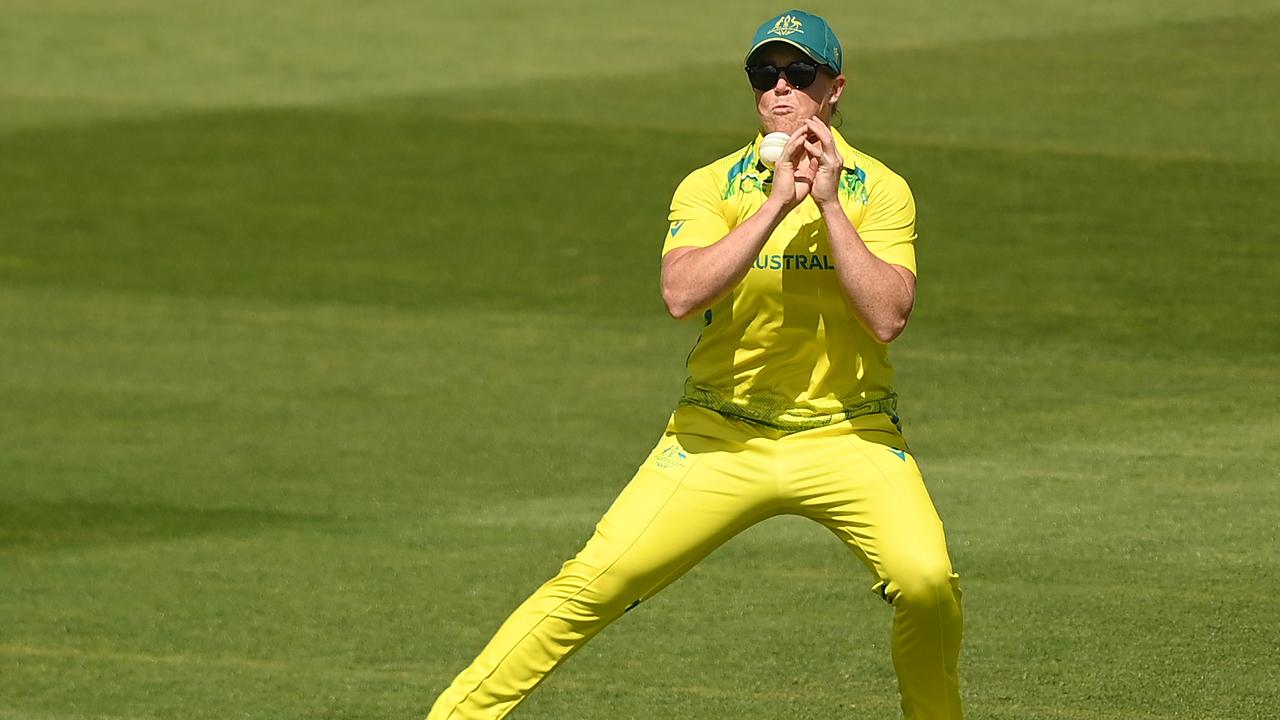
<point x="793" y="262"/>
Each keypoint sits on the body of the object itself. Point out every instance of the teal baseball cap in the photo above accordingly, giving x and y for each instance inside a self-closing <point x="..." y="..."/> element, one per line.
<point x="806" y="31"/>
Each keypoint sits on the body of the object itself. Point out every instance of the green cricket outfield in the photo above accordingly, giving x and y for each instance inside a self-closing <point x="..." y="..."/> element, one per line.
<point x="327" y="331"/>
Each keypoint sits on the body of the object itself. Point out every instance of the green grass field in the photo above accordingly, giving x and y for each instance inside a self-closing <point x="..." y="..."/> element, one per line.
<point x="327" y="331"/>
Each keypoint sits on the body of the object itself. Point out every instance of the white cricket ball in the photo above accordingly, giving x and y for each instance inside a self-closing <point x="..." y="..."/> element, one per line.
<point x="771" y="147"/>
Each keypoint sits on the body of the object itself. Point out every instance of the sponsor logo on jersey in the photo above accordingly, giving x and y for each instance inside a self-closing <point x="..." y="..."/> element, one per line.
<point x="675" y="227"/>
<point x="787" y="25"/>
<point x="901" y="455"/>
<point x="793" y="262"/>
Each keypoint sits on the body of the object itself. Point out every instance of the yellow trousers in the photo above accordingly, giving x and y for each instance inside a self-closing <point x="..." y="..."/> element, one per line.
<point x="709" y="478"/>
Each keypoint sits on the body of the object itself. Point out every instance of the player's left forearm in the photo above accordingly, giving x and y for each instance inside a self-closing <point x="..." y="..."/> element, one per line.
<point x="880" y="294"/>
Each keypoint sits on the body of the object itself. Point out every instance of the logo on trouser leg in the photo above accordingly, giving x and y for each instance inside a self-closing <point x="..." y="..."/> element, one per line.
<point x="671" y="456"/>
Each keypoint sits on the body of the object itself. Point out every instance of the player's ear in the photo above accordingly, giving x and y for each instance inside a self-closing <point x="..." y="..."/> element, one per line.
<point x="837" y="89"/>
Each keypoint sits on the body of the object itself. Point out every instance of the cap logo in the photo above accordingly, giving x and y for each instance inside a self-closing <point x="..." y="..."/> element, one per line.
<point x="787" y="25"/>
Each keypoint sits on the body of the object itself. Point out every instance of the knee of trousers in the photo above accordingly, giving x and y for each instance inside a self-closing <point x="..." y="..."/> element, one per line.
<point x="921" y="586"/>
<point x="586" y="591"/>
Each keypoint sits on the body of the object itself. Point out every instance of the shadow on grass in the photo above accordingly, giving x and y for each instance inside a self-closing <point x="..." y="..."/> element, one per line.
<point x="72" y="523"/>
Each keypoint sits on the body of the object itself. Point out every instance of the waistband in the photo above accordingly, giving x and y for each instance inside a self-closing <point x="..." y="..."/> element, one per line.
<point x="783" y="418"/>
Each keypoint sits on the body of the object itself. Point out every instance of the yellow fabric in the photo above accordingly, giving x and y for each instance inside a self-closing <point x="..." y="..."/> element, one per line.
<point x="784" y="349"/>
<point x="709" y="478"/>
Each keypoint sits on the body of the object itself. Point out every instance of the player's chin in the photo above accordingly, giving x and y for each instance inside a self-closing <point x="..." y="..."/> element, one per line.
<point x="787" y="122"/>
<point x="784" y="124"/>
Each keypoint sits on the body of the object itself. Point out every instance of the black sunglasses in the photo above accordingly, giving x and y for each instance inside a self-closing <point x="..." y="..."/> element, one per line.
<point x="800" y="74"/>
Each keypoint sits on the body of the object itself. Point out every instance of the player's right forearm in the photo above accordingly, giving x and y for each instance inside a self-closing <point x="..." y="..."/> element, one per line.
<point x="694" y="279"/>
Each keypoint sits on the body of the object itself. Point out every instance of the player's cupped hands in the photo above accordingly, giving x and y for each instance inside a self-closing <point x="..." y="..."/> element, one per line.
<point x="825" y="159"/>
<point x="794" y="173"/>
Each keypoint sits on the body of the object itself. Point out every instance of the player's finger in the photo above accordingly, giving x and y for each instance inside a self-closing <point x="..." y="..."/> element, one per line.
<point x="821" y="134"/>
<point x="821" y="131"/>
<point x="794" y="147"/>
<point x="826" y="140"/>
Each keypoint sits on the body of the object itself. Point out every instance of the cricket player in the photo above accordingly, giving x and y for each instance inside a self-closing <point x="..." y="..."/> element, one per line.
<point x="802" y="273"/>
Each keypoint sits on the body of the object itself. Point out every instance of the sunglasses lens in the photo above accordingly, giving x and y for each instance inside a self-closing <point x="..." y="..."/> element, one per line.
<point x="800" y="74"/>
<point x="762" y="77"/>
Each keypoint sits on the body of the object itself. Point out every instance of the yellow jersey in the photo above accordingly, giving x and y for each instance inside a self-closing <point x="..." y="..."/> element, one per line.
<point x="784" y="348"/>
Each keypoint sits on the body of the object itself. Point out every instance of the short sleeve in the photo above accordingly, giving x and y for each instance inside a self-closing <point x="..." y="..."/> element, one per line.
<point x="697" y="215"/>
<point x="889" y="226"/>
